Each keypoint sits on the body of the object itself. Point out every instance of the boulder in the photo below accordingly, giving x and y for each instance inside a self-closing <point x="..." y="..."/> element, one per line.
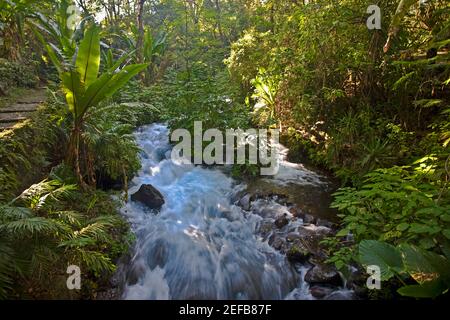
<point x="320" y="292"/>
<point x="324" y="223"/>
<point x="308" y="219"/>
<point x="314" y="231"/>
<point x="323" y="274"/>
<point x="149" y="196"/>
<point x="292" y="236"/>
<point x="245" y="202"/>
<point x="341" y="295"/>
<point x="265" y="229"/>
<point x="296" y="212"/>
<point x="281" y="221"/>
<point x="357" y="282"/>
<point x="297" y="254"/>
<point x="276" y="242"/>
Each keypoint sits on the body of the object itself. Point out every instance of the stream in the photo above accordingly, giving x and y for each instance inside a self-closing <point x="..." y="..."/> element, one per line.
<point x="210" y="240"/>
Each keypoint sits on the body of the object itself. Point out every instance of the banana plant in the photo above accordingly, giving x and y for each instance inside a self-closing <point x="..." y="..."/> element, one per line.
<point x="153" y="47"/>
<point x="58" y="29"/>
<point x="84" y="88"/>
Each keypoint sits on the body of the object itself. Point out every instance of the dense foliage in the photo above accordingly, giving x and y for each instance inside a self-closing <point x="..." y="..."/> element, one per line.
<point x="370" y="106"/>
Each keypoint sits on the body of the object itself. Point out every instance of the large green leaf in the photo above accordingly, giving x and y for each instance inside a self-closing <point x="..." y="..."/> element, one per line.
<point x="383" y="255"/>
<point x="425" y="266"/>
<point x="430" y="289"/>
<point x="108" y="84"/>
<point x="73" y="89"/>
<point x="121" y="78"/>
<point x="417" y="264"/>
<point x="88" y="56"/>
<point x="95" y="91"/>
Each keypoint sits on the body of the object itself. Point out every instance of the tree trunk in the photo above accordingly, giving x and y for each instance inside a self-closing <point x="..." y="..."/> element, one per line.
<point x="219" y="23"/>
<point x="73" y="153"/>
<point x="140" y="39"/>
<point x="186" y="39"/>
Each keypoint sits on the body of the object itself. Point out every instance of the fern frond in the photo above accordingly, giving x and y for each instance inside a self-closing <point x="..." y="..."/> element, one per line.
<point x="96" y="261"/>
<point x="71" y="217"/>
<point x="6" y="269"/>
<point x="42" y="260"/>
<point x="11" y="213"/>
<point x="96" y="231"/>
<point x="77" y="242"/>
<point x="31" y="226"/>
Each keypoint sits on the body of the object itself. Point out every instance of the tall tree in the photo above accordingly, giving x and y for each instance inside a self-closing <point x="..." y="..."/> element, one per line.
<point x="141" y="31"/>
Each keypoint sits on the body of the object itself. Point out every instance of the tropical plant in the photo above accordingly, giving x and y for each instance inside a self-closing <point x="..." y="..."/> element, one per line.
<point x="13" y="15"/>
<point x="40" y="236"/>
<point x="59" y="30"/>
<point x="403" y="7"/>
<point x="265" y="93"/>
<point x="108" y="131"/>
<point x="399" y="204"/>
<point x="429" y="270"/>
<point x="152" y="50"/>
<point x="84" y="89"/>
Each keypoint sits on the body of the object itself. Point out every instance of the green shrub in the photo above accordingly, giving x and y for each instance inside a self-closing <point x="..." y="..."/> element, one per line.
<point x="399" y="204"/>
<point x="108" y="133"/>
<point x="203" y="96"/>
<point x="13" y="74"/>
<point x="52" y="225"/>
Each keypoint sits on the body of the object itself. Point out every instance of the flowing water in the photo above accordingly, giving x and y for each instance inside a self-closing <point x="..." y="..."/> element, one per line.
<point x="200" y="245"/>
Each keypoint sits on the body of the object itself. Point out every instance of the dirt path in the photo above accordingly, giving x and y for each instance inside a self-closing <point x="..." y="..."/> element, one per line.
<point x="21" y="109"/>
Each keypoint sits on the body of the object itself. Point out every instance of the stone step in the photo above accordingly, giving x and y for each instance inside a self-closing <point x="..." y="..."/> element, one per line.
<point x="30" y="102"/>
<point x="7" y="125"/>
<point x="11" y="110"/>
<point x="13" y="120"/>
<point x="11" y="116"/>
<point x="21" y="110"/>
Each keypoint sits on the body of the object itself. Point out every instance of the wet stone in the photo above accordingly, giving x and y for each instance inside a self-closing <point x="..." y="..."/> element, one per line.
<point x="323" y="274"/>
<point x="297" y="254"/>
<point x="324" y="223"/>
<point x="149" y="196"/>
<point x="277" y="243"/>
<point x="291" y="237"/>
<point x="245" y="202"/>
<point x="282" y="221"/>
<point x="340" y="295"/>
<point x="308" y="219"/>
<point x="320" y="292"/>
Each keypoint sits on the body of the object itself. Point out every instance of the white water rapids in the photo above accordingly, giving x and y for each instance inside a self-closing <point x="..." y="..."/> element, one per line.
<point x="200" y="245"/>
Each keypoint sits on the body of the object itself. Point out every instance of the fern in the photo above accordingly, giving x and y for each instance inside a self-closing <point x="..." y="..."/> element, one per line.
<point x="95" y="261"/>
<point x="39" y="239"/>
<point x="6" y="269"/>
